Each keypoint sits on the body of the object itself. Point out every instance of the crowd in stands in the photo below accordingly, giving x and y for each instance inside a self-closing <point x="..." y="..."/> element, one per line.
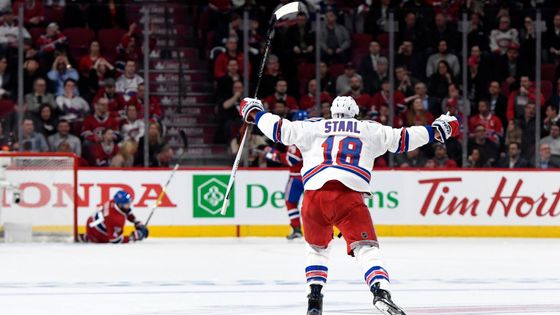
<point x="82" y="91"/>
<point x="500" y="108"/>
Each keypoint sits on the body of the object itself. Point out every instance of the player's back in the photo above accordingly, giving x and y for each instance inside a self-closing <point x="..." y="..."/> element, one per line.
<point x="340" y="149"/>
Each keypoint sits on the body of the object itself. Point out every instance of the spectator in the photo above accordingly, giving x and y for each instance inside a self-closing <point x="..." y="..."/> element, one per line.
<point x="546" y="160"/>
<point x="528" y="126"/>
<point x="368" y="66"/>
<point x="9" y="31"/>
<point x="477" y="35"/>
<point x="7" y="81"/>
<point x="230" y="30"/>
<point x="477" y="80"/>
<point x="412" y="33"/>
<point x="326" y="110"/>
<point x="439" y="82"/>
<point x="129" y="48"/>
<point x="281" y="94"/>
<point x="155" y="146"/>
<point x="221" y="62"/>
<point x="343" y="80"/>
<point x="33" y="11"/>
<point x="555" y="98"/>
<point x="551" y="41"/>
<point x="514" y="133"/>
<point x="429" y="103"/>
<point x="271" y="74"/>
<point x="503" y="37"/>
<point x="513" y="159"/>
<point x="440" y="156"/>
<point x="154" y="108"/>
<point x="553" y="140"/>
<point x="404" y="81"/>
<point x="229" y="115"/>
<point x="71" y="107"/>
<point x="46" y="120"/>
<point x="474" y="159"/>
<point x="31" y="72"/>
<point x="509" y="67"/>
<point x="127" y="83"/>
<point x="225" y="83"/>
<point x="99" y="121"/>
<point x="101" y="71"/>
<point x="381" y="98"/>
<point x="498" y="101"/>
<point x="301" y="38"/>
<point x="328" y="83"/>
<point x="279" y="108"/>
<point x="88" y="61"/>
<point x="551" y="117"/>
<point x="164" y="156"/>
<point x="406" y="56"/>
<point x="127" y="152"/>
<point x="31" y="141"/>
<point x="492" y="124"/>
<point x="63" y="135"/>
<point x="39" y="96"/>
<point x="417" y="115"/>
<point x="60" y="73"/>
<point x="109" y="92"/>
<point x="443" y="32"/>
<point x="101" y="153"/>
<point x="361" y="98"/>
<point x="455" y="101"/>
<point x="375" y="20"/>
<point x="527" y="41"/>
<point x="443" y="54"/>
<point x="413" y="159"/>
<point x="132" y="127"/>
<point x="519" y="99"/>
<point x="307" y="101"/>
<point x="489" y="151"/>
<point x="52" y="40"/>
<point x="381" y="74"/>
<point x="335" y="40"/>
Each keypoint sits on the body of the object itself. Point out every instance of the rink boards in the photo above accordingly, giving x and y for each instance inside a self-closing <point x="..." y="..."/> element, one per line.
<point x="404" y="202"/>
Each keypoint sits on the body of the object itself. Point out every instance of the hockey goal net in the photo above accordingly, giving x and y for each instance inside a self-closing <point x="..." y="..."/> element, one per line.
<point x="38" y="196"/>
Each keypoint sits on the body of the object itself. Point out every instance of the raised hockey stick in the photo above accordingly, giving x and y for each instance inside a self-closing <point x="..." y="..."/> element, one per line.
<point x="173" y="171"/>
<point x="282" y="12"/>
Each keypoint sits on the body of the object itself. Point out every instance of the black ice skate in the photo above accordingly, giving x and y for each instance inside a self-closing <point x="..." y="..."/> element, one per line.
<point x="296" y="233"/>
<point x="315" y="300"/>
<point x="382" y="301"/>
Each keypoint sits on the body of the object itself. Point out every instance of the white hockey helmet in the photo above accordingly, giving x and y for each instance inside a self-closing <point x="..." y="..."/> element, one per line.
<point x="344" y="107"/>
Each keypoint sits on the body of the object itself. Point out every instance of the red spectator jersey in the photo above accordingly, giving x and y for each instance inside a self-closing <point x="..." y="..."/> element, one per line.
<point x="93" y="127"/>
<point x="516" y="100"/>
<point x="308" y="101"/>
<point x="47" y="44"/>
<point x="290" y="101"/>
<point x="107" y="224"/>
<point x="293" y="159"/>
<point x="100" y="155"/>
<point x="493" y="125"/>
<point x="221" y="62"/>
<point x="363" y="100"/>
<point x="379" y="99"/>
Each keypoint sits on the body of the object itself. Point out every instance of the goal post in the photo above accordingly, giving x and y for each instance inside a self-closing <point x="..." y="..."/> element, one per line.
<point x="39" y="195"/>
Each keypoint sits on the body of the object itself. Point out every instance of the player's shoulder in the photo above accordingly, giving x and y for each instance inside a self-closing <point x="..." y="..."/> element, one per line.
<point x="314" y="119"/>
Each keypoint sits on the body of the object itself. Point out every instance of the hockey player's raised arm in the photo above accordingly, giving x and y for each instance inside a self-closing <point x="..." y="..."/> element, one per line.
<point x="273" y="126"/>
<point x="402" y="140"/>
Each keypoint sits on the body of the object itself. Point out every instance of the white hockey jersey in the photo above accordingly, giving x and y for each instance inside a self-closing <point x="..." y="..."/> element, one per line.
<point x="341" y="149"/>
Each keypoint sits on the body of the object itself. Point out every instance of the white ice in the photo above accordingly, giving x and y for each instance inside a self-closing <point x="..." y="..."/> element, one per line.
<point x="265" y="276"/>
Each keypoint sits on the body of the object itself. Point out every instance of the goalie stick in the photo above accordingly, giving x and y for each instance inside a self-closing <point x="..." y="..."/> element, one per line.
<point x="282" y="12"/>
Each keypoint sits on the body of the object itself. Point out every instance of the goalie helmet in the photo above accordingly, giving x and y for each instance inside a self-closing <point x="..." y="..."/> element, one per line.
<point x="122" y="199"/>
<point x="344" y="107"/>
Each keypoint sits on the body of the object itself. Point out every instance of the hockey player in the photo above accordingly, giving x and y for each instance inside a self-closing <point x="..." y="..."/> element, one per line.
<point x="294" y="187"/>
<point x="107" y="224"/>
<point x="338" y="155"/>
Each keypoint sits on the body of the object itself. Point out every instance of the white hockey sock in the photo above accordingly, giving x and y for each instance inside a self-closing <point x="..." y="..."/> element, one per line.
<point x="369" y="258"/>
<point x="316" y="271"/>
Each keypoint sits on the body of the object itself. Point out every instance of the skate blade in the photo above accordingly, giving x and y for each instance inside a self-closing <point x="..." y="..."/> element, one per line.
<point x="388" y="309"/>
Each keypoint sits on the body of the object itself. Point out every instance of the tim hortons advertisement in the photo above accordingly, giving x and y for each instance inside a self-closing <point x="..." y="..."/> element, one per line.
<point x="195" y="197"/>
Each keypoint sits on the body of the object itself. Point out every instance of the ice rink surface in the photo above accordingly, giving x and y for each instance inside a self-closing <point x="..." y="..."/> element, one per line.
<point x="265" y="276"/>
